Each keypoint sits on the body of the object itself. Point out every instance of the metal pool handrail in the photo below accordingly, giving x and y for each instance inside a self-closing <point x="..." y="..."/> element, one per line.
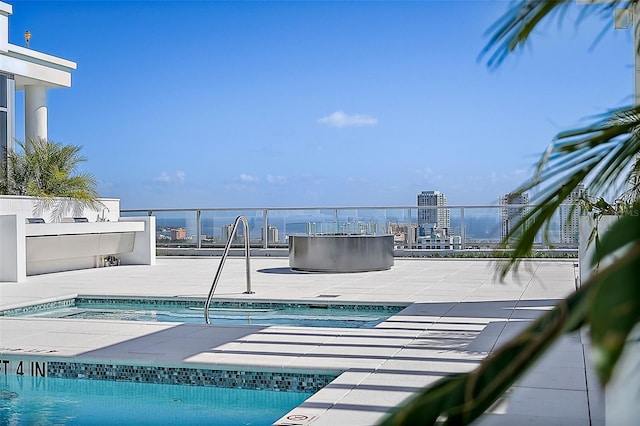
<point x="245" y="222"/>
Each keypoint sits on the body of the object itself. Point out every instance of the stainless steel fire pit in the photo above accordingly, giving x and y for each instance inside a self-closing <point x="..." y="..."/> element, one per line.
<point x="340" y="253"/>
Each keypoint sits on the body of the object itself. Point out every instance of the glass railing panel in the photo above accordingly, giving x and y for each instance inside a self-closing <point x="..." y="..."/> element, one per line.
<point x="456" y="225"/>
<point x="176" y="228"/>
<point x="350" y="222"/>
<point x="135" y="213"/>
<point x="400" y="224"/>
<point x="367" y="221"/>
<point x="216" y="227"/>
<point x="481" y="228"/>
<point x="563" y="230"/>
<point x="363" y="221"/>
<point x="476" y="227"/>
<point x="565" y="225"/>
<point x="283" y="223"/>
<point x="301" y="222"/>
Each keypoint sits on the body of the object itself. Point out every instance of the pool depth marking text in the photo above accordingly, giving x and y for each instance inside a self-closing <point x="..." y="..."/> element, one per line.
<point x="21" y="368"/>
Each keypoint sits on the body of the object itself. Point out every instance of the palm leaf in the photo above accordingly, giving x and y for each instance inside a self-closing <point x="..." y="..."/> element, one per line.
<point x="47" y="170"/>
<point x="597" y="155"/>
<point x="513" y="30"/>
<point x="615" y="305"/>
<point x="461" y="398"/>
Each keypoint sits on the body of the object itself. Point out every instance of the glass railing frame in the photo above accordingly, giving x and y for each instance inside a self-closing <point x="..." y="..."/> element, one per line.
<point x="265" y="214"/>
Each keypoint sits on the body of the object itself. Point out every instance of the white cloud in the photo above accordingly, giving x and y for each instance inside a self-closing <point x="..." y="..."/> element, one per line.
<point x="104" y="183"/>
<point x="340" y="119"/>
<point x="164" y="177"/>
<point x="276" y="179"/>
<point x="425" y="172"/>
<point x="248" y="178"/>
<point x="352" y="179"/>
<point x="177" y="177"/>
<point x="513" y="177"/>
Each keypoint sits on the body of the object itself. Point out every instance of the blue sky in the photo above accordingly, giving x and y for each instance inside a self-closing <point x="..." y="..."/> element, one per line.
<point x="299" y="103"/>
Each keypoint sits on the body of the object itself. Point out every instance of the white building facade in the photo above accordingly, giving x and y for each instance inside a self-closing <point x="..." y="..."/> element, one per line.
<point x="272" y="234"/>
<point x="439" y="217"/>
<point x="439" y="239"/>
<point x="569" y="213"/>
<point x="515" y="208"/>
<point x="23" y="69"/>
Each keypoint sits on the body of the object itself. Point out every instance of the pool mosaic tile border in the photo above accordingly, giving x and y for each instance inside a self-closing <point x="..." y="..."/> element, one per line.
<point x="237" y="303"/>
<point x="242" y="379"/>
<point x="196" y="303"/>
<point x="65" y="303"/>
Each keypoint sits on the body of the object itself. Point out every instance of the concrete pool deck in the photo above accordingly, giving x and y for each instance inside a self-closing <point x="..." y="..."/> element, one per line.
<point x="459" y="313"/>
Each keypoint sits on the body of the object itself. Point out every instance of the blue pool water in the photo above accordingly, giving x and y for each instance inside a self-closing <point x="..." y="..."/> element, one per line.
<point x="55" y="401"/>
<point x="260" y="314"/>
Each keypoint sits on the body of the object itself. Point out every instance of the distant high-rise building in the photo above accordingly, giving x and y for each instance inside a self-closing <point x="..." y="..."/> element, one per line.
<point x="569" y="213"/>
<point x="403" y="233"/>
<point x="226" y="232"/>
<point x="272" y="234"/>
<point x="510" y="216"/>
<point x="435" y="216"/>
<point x="178" y="234"/>
<point x="438" y="239"/>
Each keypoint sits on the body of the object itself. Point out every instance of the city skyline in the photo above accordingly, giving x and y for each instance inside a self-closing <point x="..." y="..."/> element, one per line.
<point x="277" y="104"/>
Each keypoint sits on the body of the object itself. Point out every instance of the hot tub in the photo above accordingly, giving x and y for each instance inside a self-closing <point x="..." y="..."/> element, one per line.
<point x="340" y="253"/>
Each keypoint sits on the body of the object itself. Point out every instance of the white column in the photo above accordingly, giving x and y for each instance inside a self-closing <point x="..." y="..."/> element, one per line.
<point x="35" y="114"/>
<point x="5" y="11"/>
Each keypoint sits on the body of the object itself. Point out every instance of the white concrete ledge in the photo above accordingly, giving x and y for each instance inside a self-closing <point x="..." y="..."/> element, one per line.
<point x="42" y="229"/>
<point x="55" y="247"/>
<point x="41" y="58"/>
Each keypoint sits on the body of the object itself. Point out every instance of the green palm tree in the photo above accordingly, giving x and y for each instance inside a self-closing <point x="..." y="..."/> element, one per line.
<point x="600" y="156"/>
<point x="47" y="170"/>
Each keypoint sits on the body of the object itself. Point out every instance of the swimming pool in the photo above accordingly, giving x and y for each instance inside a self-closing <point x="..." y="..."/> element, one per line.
<point x="221" y="312"/>
<point x="56" y="401"/>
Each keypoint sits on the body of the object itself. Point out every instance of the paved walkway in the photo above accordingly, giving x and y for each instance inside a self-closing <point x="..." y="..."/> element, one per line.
<point x="458" y="314"/>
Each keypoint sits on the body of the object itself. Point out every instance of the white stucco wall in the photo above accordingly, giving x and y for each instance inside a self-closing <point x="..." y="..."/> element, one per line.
<point x="621" y="394"/>
<point x="12" y="247"/>
<point x="29" y="207"/>
<point x="50" y="247"/>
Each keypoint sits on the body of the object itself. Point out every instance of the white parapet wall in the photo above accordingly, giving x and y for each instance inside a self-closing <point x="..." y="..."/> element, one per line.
<point x="31" y="207"/>
<point x="12" y="247"/>
<point x="144" y="246"/>
<point x="102" y="238"/>
<point x="621" y="407"/>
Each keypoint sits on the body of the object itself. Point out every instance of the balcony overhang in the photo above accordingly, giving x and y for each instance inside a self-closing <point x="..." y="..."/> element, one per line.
<point x="30" y="67"/>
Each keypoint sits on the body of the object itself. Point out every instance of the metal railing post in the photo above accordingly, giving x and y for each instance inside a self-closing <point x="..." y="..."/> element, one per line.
<point x="265" y="229"/>
<point x="227" y="247"/>
<point x="463" y="231"/>
<point x="409" y="231"/>
<point x="198" y="229"/>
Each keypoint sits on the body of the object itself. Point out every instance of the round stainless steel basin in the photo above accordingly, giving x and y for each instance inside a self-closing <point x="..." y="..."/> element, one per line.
<point x="341" y="253"/>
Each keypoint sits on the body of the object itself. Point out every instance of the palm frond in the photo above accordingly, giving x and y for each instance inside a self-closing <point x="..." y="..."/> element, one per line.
<point x="615" y="304"/>
<point x="461" y="398"/>
<point x="513" y="30"/>
<point x="596" y="155"/>
<point x="47" y="170"/>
